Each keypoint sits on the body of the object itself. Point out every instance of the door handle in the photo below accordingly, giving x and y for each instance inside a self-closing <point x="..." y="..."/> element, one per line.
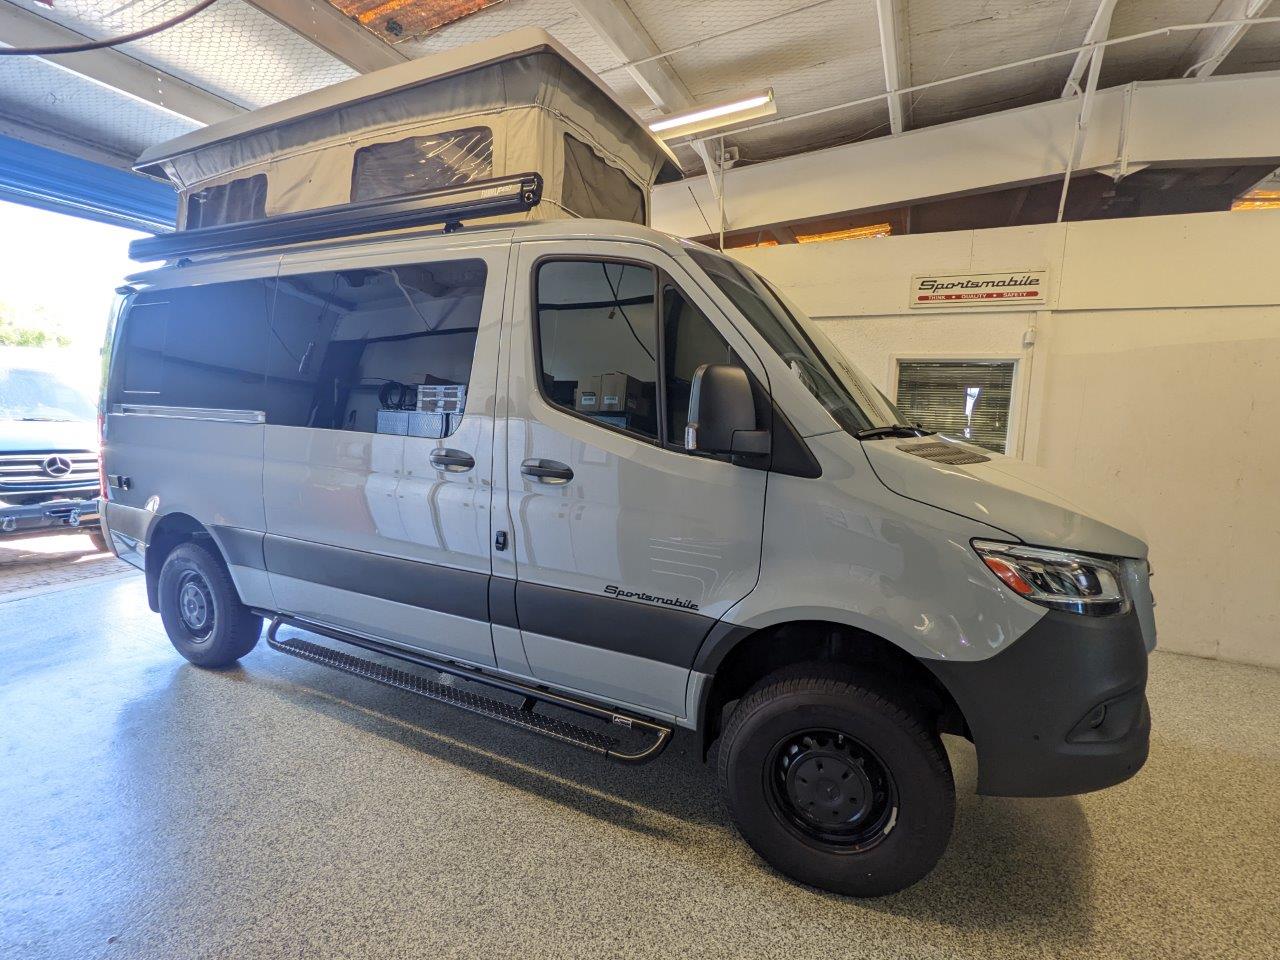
<point x="454" y="461"/>
<point x="546" y="471"/>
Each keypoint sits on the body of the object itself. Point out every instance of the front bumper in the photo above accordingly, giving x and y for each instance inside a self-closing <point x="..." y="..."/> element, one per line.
<point x="65" y="515"/>
<point x="1062" y="710"/>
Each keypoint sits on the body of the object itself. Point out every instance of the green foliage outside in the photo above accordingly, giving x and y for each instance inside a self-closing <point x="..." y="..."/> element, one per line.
<point x="32" y="331"/>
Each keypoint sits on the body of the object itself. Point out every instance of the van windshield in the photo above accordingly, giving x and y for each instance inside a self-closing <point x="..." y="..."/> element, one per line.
<point x="853" y="402"/>
<point x="29" y="393"/>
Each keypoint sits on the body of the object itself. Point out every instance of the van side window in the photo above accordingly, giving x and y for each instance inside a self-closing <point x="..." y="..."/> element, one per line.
<point x="598" y="341"/>
<point x="688" y="341"/>
<point x="377" y="350"/>
<point x="200" y="346"/>
<point x="142" y="347"/>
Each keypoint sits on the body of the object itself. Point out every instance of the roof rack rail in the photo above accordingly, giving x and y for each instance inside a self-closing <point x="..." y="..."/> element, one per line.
<point x="448" y="205"/>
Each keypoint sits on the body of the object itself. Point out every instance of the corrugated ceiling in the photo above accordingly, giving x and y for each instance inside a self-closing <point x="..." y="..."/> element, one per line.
<point x="817" y="57"/>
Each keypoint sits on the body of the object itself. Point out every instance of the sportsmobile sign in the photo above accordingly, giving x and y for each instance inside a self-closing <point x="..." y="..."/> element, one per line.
<point x="978" y="289"/>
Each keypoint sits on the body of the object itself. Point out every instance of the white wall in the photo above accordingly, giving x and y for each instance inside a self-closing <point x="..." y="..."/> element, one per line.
<point x="1154" y="376"/>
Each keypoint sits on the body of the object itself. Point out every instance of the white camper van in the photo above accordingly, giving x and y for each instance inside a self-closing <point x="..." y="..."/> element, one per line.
<point x="417" y="387"/>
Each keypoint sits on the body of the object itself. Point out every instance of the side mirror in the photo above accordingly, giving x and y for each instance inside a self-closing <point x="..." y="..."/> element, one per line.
<point x="722" y="413"/>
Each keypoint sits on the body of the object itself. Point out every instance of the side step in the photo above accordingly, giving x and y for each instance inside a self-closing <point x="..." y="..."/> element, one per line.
<point x="517" y="715"/>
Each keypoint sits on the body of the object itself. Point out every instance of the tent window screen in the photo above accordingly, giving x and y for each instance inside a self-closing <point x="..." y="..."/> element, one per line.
<point x="968" y="399"/>
<point x="422" y="163"/>
<point x="234" y="202"/>
<point x="593" y="188"/>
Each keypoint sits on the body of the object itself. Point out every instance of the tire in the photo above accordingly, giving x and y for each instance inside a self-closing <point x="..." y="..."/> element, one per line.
<point x="201" y="610"/>
<point x="99" y="540"/>
<point x="836" y="784"/>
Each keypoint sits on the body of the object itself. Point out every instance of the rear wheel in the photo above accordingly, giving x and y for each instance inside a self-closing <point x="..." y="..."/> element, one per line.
<point x="835" y="784"/>
<point x="201" y="610"/>
<point x="99" y="540"/>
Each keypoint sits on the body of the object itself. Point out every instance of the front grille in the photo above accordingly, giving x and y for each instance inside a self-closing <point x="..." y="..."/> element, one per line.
<point x="27" y="473"/>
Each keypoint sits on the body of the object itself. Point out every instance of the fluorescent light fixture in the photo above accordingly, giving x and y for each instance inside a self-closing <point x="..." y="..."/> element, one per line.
<point x="702" y="119"/>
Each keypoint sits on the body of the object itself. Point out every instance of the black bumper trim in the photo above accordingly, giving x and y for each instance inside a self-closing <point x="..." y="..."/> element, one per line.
<point x="1030" y="707"/>
<point x="49" y="516"/>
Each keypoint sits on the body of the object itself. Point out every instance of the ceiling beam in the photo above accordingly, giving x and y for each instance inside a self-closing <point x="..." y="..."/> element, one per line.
<point x="1233" y="121"/>
<point x="897" y="60"/>
<point x="620" y="29"/>
<point x="329" y="29"/>
<point x="111" y="68"/>
<point x="1098" y="31"/>
<point x="1211" y="47"/>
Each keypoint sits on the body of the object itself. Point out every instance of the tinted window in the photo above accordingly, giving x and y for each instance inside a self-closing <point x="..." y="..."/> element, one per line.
<point x="199" y="346"/>
<point x="381" y="350"/>
<point x="243" y="199"/>
<point x="597" y="334"/>
<point x="422" y="163"/>
<point x="689" y="341"/>
<point x="142" y="349"/>
<point x="594" y="188"/>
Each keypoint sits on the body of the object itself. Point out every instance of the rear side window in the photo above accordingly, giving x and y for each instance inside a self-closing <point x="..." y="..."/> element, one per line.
<point x="598" y="341"/>
<point x="202" y="346"/>
<point x="376" y="350"/>
<point x="422" y="163"/>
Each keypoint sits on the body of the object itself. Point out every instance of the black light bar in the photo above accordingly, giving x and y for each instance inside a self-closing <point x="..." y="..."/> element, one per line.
<point x="448" y="205"/>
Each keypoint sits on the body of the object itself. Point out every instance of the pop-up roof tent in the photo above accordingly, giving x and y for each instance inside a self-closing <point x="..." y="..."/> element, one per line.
<point x="516" y="104"/>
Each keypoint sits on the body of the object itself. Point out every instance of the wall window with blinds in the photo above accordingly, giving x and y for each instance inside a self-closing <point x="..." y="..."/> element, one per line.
<point x="414" y="164"/>
<point x="967" y="399"/>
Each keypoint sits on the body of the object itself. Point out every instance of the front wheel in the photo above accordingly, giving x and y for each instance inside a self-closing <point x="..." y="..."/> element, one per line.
<point x="201" y="610"/>
<point x="835" y="784"/>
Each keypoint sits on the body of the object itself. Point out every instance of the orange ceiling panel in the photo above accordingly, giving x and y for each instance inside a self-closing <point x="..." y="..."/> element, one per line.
<point x="390" y="19"/>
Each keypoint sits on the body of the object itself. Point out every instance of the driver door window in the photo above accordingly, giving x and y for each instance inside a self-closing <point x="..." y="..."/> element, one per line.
<point x="598" y="342"/>
<point x="602" y="326"/>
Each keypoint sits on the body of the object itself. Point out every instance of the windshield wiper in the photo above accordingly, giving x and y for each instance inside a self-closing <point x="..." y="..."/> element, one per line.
<point x="893" y="430"/>
<point x="43" y="420"/>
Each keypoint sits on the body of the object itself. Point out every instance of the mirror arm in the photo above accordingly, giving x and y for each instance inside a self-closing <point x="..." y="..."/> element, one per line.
<point x="691" y="437"/>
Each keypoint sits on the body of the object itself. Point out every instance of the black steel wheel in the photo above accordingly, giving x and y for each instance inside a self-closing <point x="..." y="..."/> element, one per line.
<point x="195" y="606"/>
<point x="201" y="609"/>
<point x="833" y="789"/>
<point x="835" y="783"/>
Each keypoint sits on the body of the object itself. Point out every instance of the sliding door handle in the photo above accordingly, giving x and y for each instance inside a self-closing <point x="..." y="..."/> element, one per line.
<point x="454" y="461"/>
<point x="546" y="471"/>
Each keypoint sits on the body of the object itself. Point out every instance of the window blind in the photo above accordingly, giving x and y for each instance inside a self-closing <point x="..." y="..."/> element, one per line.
<point x="966" y="399"/>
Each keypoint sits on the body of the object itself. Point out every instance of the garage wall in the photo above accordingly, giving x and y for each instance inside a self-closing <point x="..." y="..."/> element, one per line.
<point x="1153" y="376"/>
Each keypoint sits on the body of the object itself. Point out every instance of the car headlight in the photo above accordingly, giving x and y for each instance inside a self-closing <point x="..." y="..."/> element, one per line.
<point x="1056" y="578"/>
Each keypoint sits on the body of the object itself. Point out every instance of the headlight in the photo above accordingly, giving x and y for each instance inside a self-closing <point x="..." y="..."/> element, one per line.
<point x="1057" y="579"/>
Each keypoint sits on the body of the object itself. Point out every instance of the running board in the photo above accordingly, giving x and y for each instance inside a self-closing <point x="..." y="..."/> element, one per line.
<point x="521" y="716"/>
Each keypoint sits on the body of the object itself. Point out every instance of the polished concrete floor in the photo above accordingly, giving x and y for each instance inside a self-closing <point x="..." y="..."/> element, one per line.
<point x="151" y="809"/>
